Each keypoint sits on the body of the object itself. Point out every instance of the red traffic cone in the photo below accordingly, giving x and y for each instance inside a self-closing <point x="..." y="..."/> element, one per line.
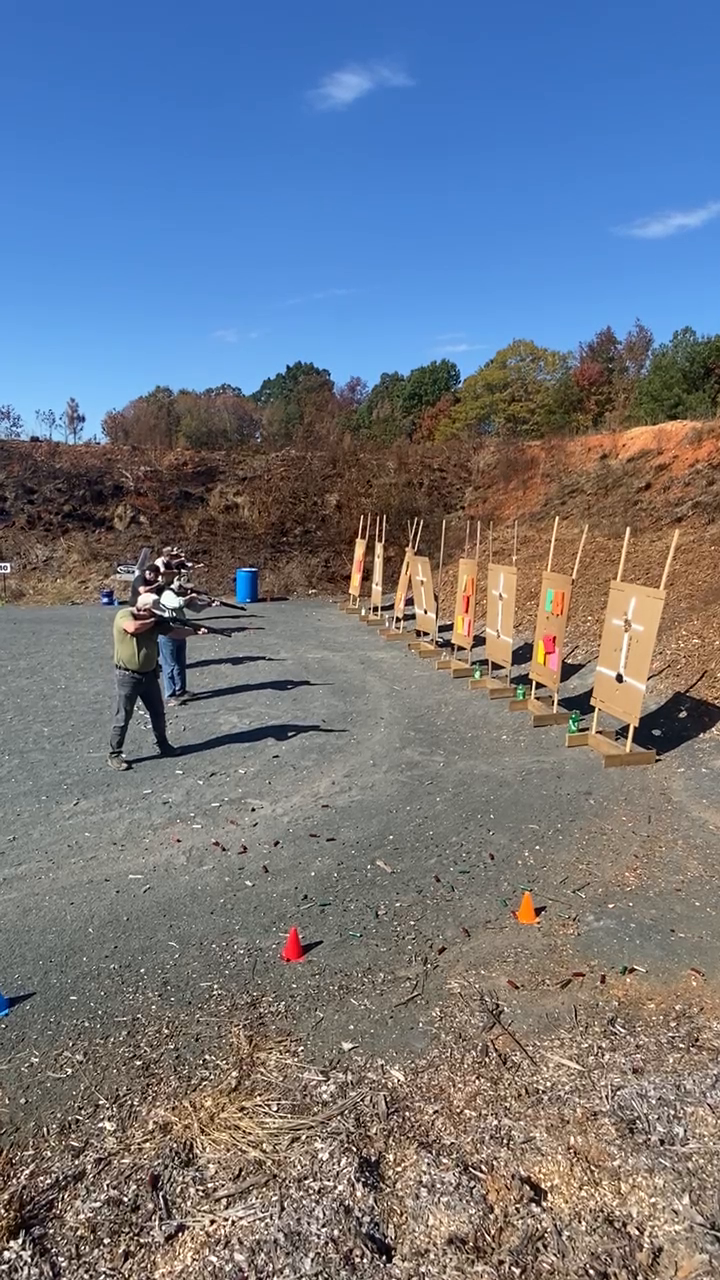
<point x="293" y="949"/>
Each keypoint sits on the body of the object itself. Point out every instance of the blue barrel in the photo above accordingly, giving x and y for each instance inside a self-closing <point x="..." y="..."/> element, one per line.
<point x="107" y="596"/>
<point x="246" y="586"/>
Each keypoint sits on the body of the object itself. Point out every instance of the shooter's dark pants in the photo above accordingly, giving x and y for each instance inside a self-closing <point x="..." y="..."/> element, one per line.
<point x="129" y="686"/>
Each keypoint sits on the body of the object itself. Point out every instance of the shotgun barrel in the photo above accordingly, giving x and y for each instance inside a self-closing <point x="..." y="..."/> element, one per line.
<point x="178" y="620"/>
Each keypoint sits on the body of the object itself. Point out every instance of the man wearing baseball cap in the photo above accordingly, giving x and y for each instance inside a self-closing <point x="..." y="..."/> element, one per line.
<point x="135" y="636"/>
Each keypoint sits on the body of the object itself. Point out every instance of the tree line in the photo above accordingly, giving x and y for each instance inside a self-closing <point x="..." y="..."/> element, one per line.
<point x="49" y="425"/>
<point x="524" y="391"/>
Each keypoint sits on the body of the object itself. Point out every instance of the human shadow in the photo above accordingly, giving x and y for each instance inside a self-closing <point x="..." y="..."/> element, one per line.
<point x="278" y="733"/>
<point x="677" y="721"/>
<point x="280" y="686"/>
<point x="235" y="660"/>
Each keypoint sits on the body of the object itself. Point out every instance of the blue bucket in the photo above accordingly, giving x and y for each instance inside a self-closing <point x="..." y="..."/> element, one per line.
<point x="246" y="586"/>
<point x="107" y="596"/>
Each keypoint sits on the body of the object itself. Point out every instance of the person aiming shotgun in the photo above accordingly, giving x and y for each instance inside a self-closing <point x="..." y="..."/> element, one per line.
<point x="172" y="601"/>
<point x="136" y="633"/>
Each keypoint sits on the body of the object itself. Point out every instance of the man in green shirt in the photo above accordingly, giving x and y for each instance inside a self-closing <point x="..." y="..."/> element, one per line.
<point x="135" y="636"/>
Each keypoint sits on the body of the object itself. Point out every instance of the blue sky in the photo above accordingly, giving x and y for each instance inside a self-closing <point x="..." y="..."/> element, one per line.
<point x="204" y="192"/>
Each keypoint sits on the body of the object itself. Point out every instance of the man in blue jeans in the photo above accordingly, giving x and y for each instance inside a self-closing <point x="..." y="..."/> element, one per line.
<point x="173" y="651"/>
<point x="173" y="660"/>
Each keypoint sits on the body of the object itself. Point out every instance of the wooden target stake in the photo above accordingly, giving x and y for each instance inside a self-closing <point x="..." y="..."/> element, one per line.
<point x="393" y="629"/>
<point x="632" y="621"/>
<point x="546" y="663"/>
<point x="426" y="601"/>
<point x="373" y="616"/>
<point x="499" y="622"/>
<point x="463" y="633"/>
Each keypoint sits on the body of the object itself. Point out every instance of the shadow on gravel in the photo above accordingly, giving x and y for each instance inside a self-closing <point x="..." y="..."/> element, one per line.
<point x="278" y="732"/>
<point x="236" y="661"/>
<point x="280" y="686"/>
<point x="572" y="669"/>
<point x="522" y="654"/>
<point x="312" y="946"/>
<point x="230" y="617"/>
<point x="12" y="1002"/>
<point x="578" y="702"/>
<point x="673" y="724"/>
<point x="677" y="722"/>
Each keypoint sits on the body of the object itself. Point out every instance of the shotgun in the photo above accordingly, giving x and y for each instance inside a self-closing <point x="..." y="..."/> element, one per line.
<point x="179" y="620"/>
<point x="226" y="604"/>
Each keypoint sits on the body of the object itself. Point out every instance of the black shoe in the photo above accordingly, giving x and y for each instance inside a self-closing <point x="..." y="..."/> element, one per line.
<point x="116" y="761"/>
<point x="167" y="749"/>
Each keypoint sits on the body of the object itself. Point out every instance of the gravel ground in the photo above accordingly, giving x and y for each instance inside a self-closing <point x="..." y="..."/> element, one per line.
<point x="326" y="780"/>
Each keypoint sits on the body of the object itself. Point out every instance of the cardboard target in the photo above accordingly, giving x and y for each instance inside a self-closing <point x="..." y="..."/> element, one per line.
<point x="550" y="626"/>
<point x="423" y="595"/>
<point x="500" y="614"/>
<point x="628" y="639"/>
<point x="464" y="618"/>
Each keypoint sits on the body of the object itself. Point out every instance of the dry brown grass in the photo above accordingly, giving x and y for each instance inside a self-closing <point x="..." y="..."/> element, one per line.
<point x="254" y="1115"/>
<point x="590" y="1150"/>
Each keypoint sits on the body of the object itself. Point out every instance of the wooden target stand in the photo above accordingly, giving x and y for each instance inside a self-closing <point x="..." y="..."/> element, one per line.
<point x="549" y="643"/>
<point x="499" y="623"/>
<point x="426" y="603"/>
<point x="373" y="617"/>
<point x="358" y="569"/>
<point x="631" y="625"/>
<point x="396" y="629"/>
<point x="463" y="634"/>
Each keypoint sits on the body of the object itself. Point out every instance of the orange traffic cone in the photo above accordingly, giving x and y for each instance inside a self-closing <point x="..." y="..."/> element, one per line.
<point x="293" y="949"/>
<point x="526" y="913"/>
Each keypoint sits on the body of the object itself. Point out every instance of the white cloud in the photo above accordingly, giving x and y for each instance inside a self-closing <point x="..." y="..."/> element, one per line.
<point x="662" y="225"/>
<point x="234" y="335"/>
<point x="340" y="89"/>
<point x="319" y="296"/>
<point x="457" y="348"/>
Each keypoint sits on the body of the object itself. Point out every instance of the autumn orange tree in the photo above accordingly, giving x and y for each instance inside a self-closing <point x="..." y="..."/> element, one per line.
<point x="606" y="374"/>
<point x="524" y="391"/>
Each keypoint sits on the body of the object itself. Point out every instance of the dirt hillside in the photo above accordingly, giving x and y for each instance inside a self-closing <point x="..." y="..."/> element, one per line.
<point x="69" y="514"/>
